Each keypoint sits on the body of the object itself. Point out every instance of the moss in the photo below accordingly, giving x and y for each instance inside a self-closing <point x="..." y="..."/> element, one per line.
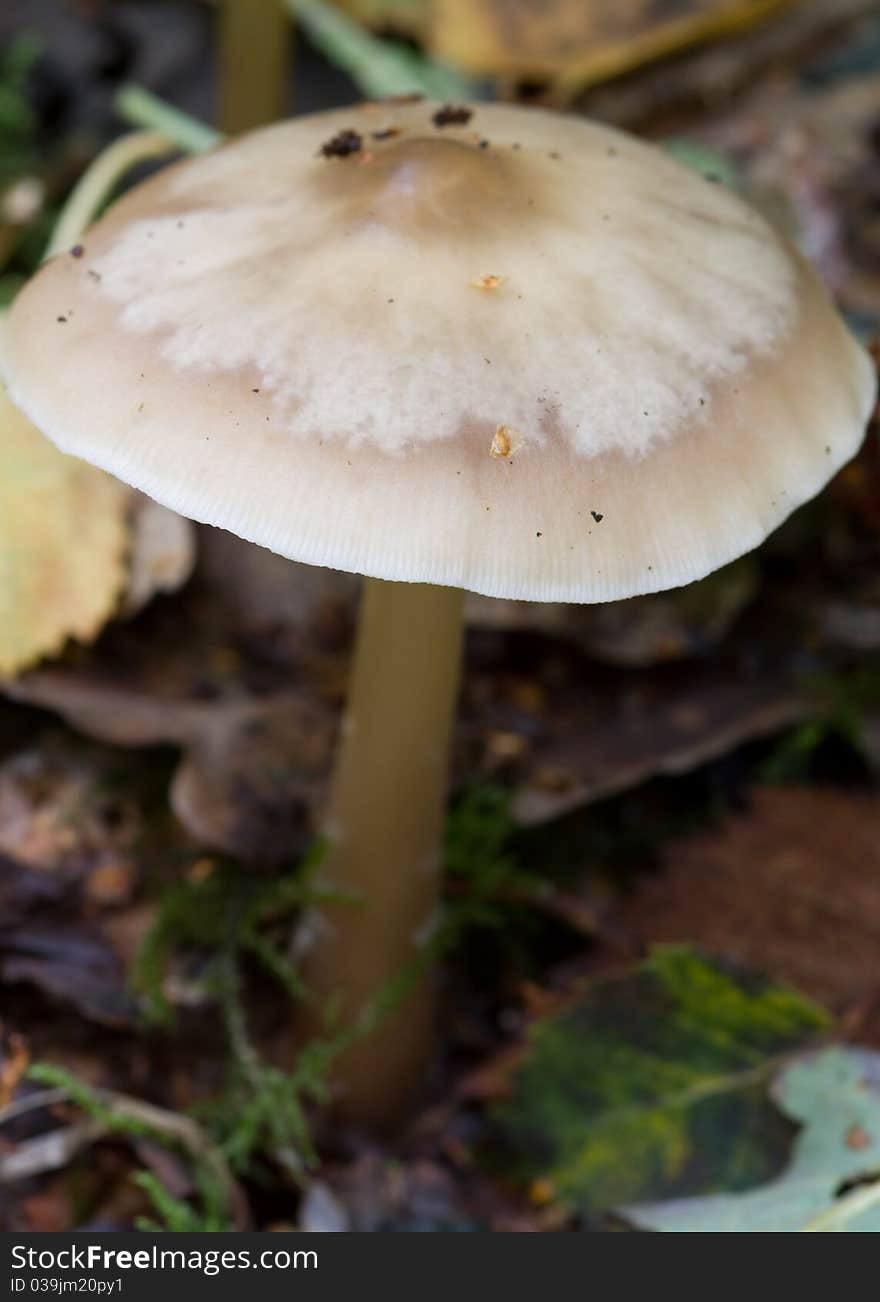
<point x="653" y="1082"/>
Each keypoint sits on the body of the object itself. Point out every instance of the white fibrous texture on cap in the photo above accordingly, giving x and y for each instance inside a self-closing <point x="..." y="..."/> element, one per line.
<point x="518" y="353"/>
<point x="621" y="314"/>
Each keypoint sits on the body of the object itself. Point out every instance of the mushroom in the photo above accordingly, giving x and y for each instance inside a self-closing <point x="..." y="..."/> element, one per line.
<point x="514" y="353"/>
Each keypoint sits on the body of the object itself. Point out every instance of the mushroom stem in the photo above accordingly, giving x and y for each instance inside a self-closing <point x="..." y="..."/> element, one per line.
<point x="385" y="833"/>
<point x="252" y="65"/>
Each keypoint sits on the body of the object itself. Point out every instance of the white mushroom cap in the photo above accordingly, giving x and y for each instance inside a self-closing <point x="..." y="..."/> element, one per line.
<point x="523" y="354"/>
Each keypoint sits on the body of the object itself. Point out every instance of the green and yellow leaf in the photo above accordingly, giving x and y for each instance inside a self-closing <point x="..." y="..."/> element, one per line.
<point x="654" y="1084"/>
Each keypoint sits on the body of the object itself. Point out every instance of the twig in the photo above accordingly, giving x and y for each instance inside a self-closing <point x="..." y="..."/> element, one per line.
<point x="31" y="1102"/>
<point x="49" y="1152"/>
<point x="190" y="1136"/>
<point x="53" y="1150"/>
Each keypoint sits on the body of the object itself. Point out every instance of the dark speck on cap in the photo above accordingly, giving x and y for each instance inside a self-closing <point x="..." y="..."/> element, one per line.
<point x="452" y="115"/>
<point x="342" y="144"/>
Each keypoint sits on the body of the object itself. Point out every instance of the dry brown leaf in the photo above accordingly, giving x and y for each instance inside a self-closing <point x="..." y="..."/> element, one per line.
<point x="650" y="731"/>
<point x="791" y="886"/>
<point x="61" y="816"/>
<point x="573" y="44"/>
<point x="676" y="92"/>
<point x="252" y="773"/>
<point x="73" y="964"/>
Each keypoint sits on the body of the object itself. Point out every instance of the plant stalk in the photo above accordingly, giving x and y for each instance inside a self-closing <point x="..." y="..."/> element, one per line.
<point x="253" y="47"/>
<point x="97" y="183"/>
<point x="140" y="108"/>
<point x="377" y="67"/>
<point x="385" y="835"/>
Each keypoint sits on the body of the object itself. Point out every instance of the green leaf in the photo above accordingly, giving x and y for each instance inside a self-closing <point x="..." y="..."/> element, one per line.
<point x="653" y="1084"/>
<point x="377" y="67"/>
<point x="176" y="1216"/>
<point x="708" y="162"/>
<point x="833" y="1180"/>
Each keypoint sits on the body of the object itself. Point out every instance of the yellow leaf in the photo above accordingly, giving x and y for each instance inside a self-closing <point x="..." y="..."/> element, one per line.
<point x="575" y="43"/>
<point x="63" y="544"/>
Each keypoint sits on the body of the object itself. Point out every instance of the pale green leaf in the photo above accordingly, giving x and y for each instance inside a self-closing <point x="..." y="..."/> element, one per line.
<point x="833" y="1179"/>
